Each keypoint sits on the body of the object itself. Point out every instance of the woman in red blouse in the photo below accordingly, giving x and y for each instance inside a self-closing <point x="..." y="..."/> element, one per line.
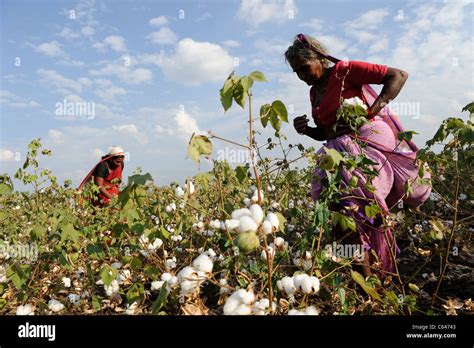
<point x="396" y="161"/>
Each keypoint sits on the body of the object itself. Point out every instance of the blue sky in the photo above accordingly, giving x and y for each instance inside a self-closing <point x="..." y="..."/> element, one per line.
<point x="152" y="70"/>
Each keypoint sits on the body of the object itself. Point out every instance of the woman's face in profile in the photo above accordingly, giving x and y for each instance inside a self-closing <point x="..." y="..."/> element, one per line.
<point x="308" y="71"/>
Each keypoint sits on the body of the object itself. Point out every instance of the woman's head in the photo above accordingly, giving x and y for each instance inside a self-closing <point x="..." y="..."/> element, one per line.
<point x="306" y="63"/>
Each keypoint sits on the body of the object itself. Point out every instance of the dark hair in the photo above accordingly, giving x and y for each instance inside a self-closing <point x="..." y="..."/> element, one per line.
<point x="305" y="47"/>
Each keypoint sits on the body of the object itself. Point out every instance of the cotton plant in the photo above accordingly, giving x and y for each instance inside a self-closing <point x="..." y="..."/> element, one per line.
<point x="149" y="246"/>
<point x="243" y="302"/>
<point x="311" y="310"/>
<point x="170" y="207"/>
<point x="191" y="277"/>
<point x="300" y="283"/>
<point x="303" y="261"/>
<point x="170" y="280"/>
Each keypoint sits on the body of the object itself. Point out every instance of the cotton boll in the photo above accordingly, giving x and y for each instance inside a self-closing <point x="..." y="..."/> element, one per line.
<point x="267" y="227"/>
<point x="157" y="243"/>
<point x="168" y="209"/>
<point x="67" y="282"/>
<point x="255" y="196"/>
<point x="55" y="306"/>
<point x="186" y="273"/>
<point x="223" y="289"/>
<point x="191" y="187"/>
<point x="271" y="252"/>
<point x="230" y="305"/>
<point x="247" y="202"/>
<point x="238" y="213"/>
<point x="188" y="287"/>
<point x="166" y="277"/>
<point x="173" y="206"/>
<point x="25" y="310"/>
<point x="257" y="213"/>
<point x="246" y="224"/>
<point x="112" y="289"/>
<point x="273" y="218"/>
<point x="314" y="284"/>
<point x="279" y="242"/>
<point x="231" y="224"/>
<point x="131" y="308"/>
<point x="251" y="189"/>
<point x="275" y="205"/>
<point x="215" y="224"/>
<point x="303" y="282"/>
<point x="179" y="192"/>
<point x="211" y="253"/>
<point x="287" y="285"/>
<point x="295" y="312"/>
<point x="262" y="307"/>
<point x="170" y="263"/>
<point x="74" y="299"/>
<point x="157" y="284"/>
<point x="311" y="310"/>
<point x="203" y="263"/>
<point x="246" y="297"/>
<point x="243" y="309"/>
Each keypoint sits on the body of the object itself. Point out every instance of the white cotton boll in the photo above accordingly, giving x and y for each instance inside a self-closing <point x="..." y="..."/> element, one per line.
<point x="67" y="282"/>
<point x="188" y="287"/>
<point x="157" y="284"/>
<point x="223" y="289"/>
<point x="303" y="282"/>
<point x="246" y="223"/>
<point x="257" y="213"/>
<point x="55" y="306"/>
<point x="307" y="255"/>
<point x="123" y="276"/>
<point x="262" y="307"/>
<point x="112" y="289"/>
<point x="238" y="213"/>
<point x="170" y="263"/>
<point x="314" y="284"/>
<point x="179" y="192"/>
<point x="143" y="240"/>
<point x="211" y="253"/>
<point x="295" y="312"/>
<point x="291" y="204"/>
<point x="267" y="227"/>
<point x="287" y="285"/>
<point x="255" y="196"/>
<point x="177" y="238"/>
<point x="203" y="263"/>
<point x="131" y="308"/>
<point x="173" y="206"/>
<point x="311" y="310"/>
<point x="231" y="304"/>
<point x="231" y="224"/>
<point x="168" y="209"/>
<point x="279" y="242"/>
<point x="271" y="252"/>
<point x="215" y="224"/>
<point x="247" y="201"/>
<point x="166" y="277"/>
<point x="116" y="265"/>
<point x="247" y="297"/>
<point x="74" y="299"/>
<point x="243" y="309"/>
<point x="273" y="218"/>
<point x="186" y="273"/>
<point x="157" y="243"/>
<point x="251" y="189"/>
<point x="275" y="205"/>
<point x="307" y="264"/>
<point x="25" y="310"/>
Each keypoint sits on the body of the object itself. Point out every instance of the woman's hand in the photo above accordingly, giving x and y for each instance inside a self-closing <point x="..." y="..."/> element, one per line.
<point x="301" y="124"/>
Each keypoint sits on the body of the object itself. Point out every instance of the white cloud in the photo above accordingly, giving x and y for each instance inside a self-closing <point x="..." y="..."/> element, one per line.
<point x="231" y="43"/>
<point x="68" y="33"/>
<point x="51" y="49"/>
<point x="87" y="30"/>
<point x="56" y="136"/>
<point x="63" y="84"/>
<point x="126" y="128"/>
<point x="370" y="20"/>
<point x="115" y="42"/>
<point x="315" y="24"/>
<point x="186" y="125"/>
<point x="256" y="12"/>
<point x="164" y="36"/>
<point x="107" y="90"/>
<point x="335" y="45"/>
<point x="6" y="155"/>
<point x="158" y="21"/>
<point x="194" y="62"/>
<point x="11" y="100"/>
<point x="380" y="44"/>
<point x="124" y="73"/>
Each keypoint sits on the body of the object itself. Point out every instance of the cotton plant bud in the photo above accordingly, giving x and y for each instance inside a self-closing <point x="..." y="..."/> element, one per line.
<point x="267" y="227"/>
<point x="247" y="224"/>
<point x="247" y="202"/>
<point x="273" y="218"/>
<point x="215" y="224"/>
<point x="247" y="241"/>
<point x="275" y="205"/>
<point x="203" y="263"/>
<point x="231" y="224"/>
<point x="271" y="252"/>
<point x="74" y="299"/>
<point x="287" y="285"/>
<point x="55" y="306"/>
<point x="191" y="186"/>
<point x="112" y="289"/>
<point x="170" y="263"/>
<point x="66" y="281"/>
<point x="279" y="242"/>
<point x="27" y="309"/>
<point x="238" y="213"/>
<point x="177" y="238"/>
<point x="257" y="213"/>
<point x="179" y="192"/>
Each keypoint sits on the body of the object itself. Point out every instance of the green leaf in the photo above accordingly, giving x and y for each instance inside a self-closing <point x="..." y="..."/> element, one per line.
<point x="241" y="173"/>
<point x="161" y="299"/>
<point x="407" y="136"/>
<point x="246" y="82"/>
<point x="96" y="303"/>
<point x="469" y="107"/>
<point x="265" y="113"/>
<point x="258" y="76"/>
<point x="68" y="232"/>
<point x="335" y="155"/>
<point x="37" y="232"/>
<point x="372" y="210"/>
<point x="199" y="145"/>
<point x="359" y="279"/>
<point x="282" y="221"/>
<point x="18" y="274"/>
<point x="226" y="100"/>
<point x="240" y="95"/>
<point x="139" y="179"/>
<point x="136" y="264"/>
<point x="280" y="109"/>
<point x="344" y="221"/>
<point x="274" y="120"/>
<point x="135" y="293"/>
<point x="5" y="189"/>
<point x="108" y="274"/>
<point x="164" y="233"/>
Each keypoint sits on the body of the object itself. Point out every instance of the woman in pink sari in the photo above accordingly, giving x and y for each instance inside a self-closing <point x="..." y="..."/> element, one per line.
<point x="395" y="160"/>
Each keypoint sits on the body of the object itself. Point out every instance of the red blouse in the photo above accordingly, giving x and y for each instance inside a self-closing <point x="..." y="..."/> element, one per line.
<point x="358" y="74"/>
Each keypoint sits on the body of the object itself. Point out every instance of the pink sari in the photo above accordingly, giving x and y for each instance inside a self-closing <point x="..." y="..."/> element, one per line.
<point x="396" y="165"/>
